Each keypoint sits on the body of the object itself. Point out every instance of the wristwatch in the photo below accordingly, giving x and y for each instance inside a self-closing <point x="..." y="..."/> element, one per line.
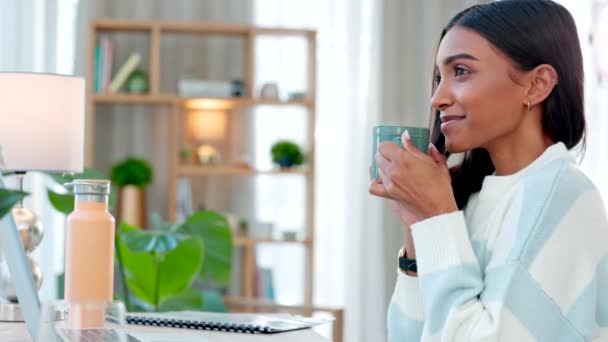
<point x="406" y="264"/>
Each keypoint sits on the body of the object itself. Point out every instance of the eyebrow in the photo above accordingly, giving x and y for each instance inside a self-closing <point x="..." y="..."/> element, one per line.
<point x="450" y="59"/>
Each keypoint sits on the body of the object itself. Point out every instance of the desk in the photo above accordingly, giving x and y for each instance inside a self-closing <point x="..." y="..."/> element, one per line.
<point x="17" y="332"/>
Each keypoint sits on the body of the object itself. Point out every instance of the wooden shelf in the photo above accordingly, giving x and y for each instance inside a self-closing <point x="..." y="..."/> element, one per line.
<point x="245" y="241"/>
<point x="194" y="170"/>
<point x="191" y="27"/>
<point x="155" y="32"/>
<point x="191" y="102"/>
<point x="133" y="98"/>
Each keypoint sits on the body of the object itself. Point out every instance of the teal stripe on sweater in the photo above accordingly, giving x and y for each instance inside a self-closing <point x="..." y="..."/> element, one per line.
<point x="590" y="312"/>
<point x="401" y="328"/>
<point x="547" y="197"/>
<point x="513" y="286"/>
<point x="462" y="282"/>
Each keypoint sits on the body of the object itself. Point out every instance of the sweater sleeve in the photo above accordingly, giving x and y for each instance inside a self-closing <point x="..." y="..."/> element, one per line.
<point x="405" y="316"/>
<point x="548" y="285"/>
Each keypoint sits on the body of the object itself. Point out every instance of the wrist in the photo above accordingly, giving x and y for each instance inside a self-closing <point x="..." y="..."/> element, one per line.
<point x="407" y="264"/>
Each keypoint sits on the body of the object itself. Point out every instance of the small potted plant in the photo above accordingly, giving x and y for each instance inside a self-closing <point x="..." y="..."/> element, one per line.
<point x="286" y="154"/>
<point x="132" y="176"/>
<point x="186" y="156"/>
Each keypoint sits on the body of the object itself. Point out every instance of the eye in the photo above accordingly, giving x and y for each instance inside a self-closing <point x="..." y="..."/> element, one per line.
<point x="460" y="71"/>
<point x="437" y="78"/>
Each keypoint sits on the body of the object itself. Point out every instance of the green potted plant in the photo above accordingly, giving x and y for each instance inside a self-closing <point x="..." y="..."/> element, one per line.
<point x="175" y="267"/>
<point x="132" y="176"/>
<point x="286" y="154"/>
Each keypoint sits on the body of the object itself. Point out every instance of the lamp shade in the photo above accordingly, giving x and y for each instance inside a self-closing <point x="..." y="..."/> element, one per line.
<point x="208" y="125"/>
<point x="41" y="122"/>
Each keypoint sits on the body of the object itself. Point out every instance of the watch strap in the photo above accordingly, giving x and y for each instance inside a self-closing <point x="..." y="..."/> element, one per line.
<point x="406" y="264"/>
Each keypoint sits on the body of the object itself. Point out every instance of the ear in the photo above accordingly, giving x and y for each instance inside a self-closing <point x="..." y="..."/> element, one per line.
<point x="542" y="79"/>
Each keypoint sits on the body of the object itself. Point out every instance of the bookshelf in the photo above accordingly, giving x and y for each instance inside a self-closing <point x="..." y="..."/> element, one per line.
<point x="154" y="32"/>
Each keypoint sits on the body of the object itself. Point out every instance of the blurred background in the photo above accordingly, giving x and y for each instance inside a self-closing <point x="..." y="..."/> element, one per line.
<point x="282" y="150"/>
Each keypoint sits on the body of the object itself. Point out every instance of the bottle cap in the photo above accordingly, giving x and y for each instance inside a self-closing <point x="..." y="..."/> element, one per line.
<point x="89" y="187"/>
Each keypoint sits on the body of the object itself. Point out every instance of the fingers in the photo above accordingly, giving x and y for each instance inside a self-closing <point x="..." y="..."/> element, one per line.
<point x="389" y="150"/>
<point x="377" y="189"/>
<point x="408" y="145"/>
<point x="437" y="156"/>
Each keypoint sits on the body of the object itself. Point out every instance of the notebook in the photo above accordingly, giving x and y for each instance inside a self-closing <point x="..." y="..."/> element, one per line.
<point x="230" y="322"/>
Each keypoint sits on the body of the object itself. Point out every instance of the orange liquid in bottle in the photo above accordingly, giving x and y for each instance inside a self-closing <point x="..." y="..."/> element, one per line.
<point x="89" y="260"/>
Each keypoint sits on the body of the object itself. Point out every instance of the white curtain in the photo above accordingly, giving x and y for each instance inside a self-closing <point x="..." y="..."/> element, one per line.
<point x="347" y="88"/>
<point x="595" y="161"/>
<point x="374" y="63"/>
<point x="38" y="36"/>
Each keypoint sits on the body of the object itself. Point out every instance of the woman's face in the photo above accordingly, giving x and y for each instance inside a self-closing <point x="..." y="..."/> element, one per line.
<point x="479" y="101"/>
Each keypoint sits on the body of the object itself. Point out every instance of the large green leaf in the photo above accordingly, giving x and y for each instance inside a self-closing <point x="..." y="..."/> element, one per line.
<point x="8" y="199"/>
<point x="63" y="203"/>
<point x="215" y="232"/>
<point x="191" y="299"/>
<point x="180" y="267"/>
<point x="158" y="223"/>
<point x="159" y="242"/>
<point x="153" y="277"/>
<point x="195" y="299"/>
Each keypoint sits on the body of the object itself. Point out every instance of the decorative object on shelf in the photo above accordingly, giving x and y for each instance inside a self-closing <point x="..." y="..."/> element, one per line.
<point x="269" y="91"/>
<point x="137" y="82"/>
<point x="296" y="96"/>
<point x="123" y="73"/>
<point x="243" y="229"/>
<point x="290" y="235"/>
<point x="287" y="154"/>
<point x="205" y="88"/>
<point x="207" y="126"/>
<point x="160" y="266"/>
<point x="207" y="154"/>
<point x="243" y="163"/>
<point x="132" y="176"/>
<point x="42" y="120"/>
<point x="238" y="88"/>
<point x="261" y="230"/>
<point x="186" y="156"/>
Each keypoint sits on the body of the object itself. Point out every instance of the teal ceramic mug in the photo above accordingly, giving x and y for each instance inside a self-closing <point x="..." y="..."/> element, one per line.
<point x="420" y="137"/>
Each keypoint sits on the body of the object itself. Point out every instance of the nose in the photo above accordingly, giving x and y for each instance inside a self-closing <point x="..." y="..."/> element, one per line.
<point x="442" y="98"/>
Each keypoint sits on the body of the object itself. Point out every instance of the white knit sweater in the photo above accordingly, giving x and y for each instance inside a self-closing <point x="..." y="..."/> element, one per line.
<point x="527" y="260"/>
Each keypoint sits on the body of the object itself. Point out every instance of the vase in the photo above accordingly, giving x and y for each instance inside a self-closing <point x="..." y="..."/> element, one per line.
<point x="131" y="206"/>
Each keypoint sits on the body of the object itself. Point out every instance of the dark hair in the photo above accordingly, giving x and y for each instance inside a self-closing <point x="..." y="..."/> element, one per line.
<point x="530" y="33"/>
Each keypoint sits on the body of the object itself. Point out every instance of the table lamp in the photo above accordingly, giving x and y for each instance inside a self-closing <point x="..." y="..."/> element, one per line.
<point x="41" y="129"/>
<point x="207" y="126"/>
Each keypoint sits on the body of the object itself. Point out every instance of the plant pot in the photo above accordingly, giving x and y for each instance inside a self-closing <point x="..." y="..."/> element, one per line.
<point x="131" y="206"/>
<point x="285" y="163"/>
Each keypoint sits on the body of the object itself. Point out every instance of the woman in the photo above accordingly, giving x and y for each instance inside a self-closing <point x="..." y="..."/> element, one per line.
<point x="511" y="244"/>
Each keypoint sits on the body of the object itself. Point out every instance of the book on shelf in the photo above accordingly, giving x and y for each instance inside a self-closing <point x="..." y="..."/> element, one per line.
<point x="265" y="283"/>
<point x="107" y="48"/>
<point x="121" y="76"/>
<point x="103" y="63"/>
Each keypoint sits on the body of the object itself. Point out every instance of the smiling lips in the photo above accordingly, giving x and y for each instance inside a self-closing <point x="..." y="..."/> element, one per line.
<point x="448" y="121"/>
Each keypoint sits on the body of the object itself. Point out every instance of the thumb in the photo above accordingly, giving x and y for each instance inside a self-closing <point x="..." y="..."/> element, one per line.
<point x="437" y="156"/>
